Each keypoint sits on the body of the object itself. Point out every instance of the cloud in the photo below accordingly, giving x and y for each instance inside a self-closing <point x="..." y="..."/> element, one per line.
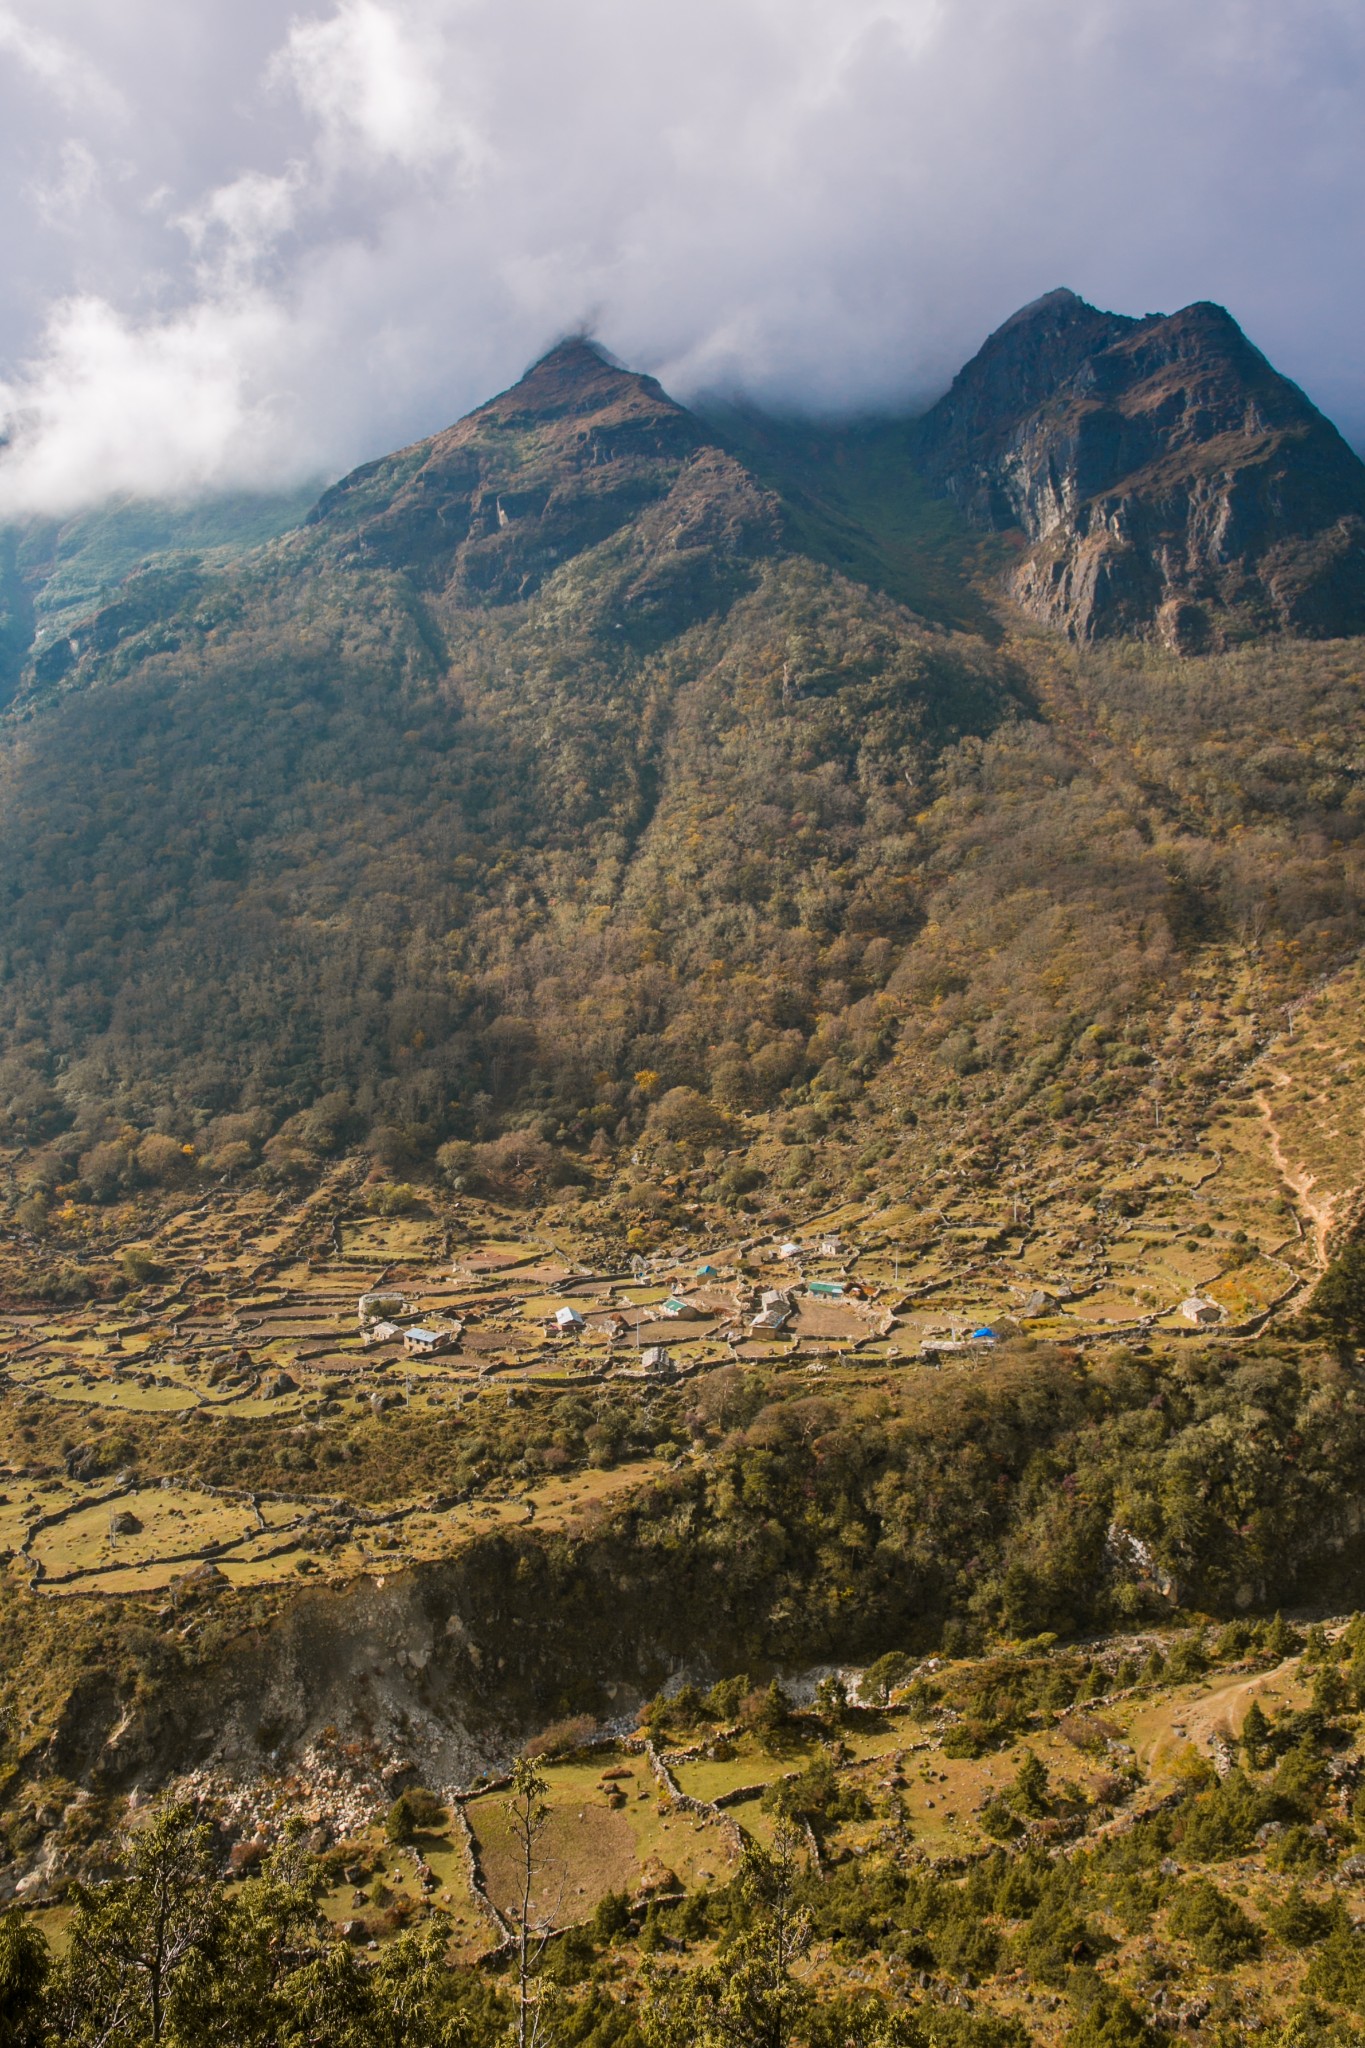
<point x="168" y="409"/>
<point x="54" y="63"/>
<point x="372" y="75"/>
<point x="241" y="249"/>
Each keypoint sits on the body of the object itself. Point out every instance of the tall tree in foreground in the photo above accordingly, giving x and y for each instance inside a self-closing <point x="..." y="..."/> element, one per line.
<point x="143" y="1947"/>
<point x="24" y="1968"/>
<point x="528" y="1811"/>
<point x="750" y="1997"/>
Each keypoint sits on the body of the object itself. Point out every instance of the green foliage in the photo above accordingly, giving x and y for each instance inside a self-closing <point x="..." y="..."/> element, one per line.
<point x="770" y="1714"/>
<point x="1282" y="1639"/>
<point x="751" y="1996"/>
<point x="611" y="1915"/>
<point x="392" y="1198"/>
<point x="24" y="1965"/>
<point x="1339" y="1298"/>
<point x="1186" y="1659"/>
<point x="1255" y="1737"/>
<point x="563" y="803"/>
<point x="1058" y="1938"/>
<point x="1337" y="1971"/>
<point x="412" y="1813"/>
<point x="1302" y="1922"/>
<point x="142" y="1948"/>
<point x="831" y="1700"/>
<point x="884" y="1674"/>
<point x="1215" y="1926"/>
<point x="1222" y="1821"/>
<point x="817" y="1794"/>
<point x="1108" y="2020"/>
<point x="1029" y="1792"/>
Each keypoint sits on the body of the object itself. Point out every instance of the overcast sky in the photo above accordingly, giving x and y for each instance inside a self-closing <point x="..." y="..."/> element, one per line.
<point x="246" y="244"/>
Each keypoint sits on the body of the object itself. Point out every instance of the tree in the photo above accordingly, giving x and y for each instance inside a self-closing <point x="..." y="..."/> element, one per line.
<point x="773" y="1715"/>
<point x="24" y="1966"/>
<point x="1109" y="2020"/>
<point x="750" y="1997"/>
<point x="1282" y="1639"/>
<point x="276" y="1963"/>
<point x="1256" y="1742"/>
<point x="164" y="1160"/>
<point x="528" y="1811"/>
<point x="1339" y="1298"/>
<point x="1029" y="1793"/>
<point x="880" y="1680"/>
<point x="141" y="1946"/>
<point x="831" y="1700"/>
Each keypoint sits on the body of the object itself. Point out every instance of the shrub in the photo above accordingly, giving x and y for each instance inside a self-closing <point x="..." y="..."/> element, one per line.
<point x="392" y="1198"/>
<point x="880" y="1680"/>
<point x="561" y="1738"/>
<point x="1223" y="1821"/>
<point x="965" y="1947"/>
<point x="769" y="1713"/>
<point x="139" y="1268"/>
<point x="1301" y="1922"/>
<point x="1109" y="2020"/>
<point x="816" y="1794"/>
<point x="164" y="1161"/>
<point x="999" y="1821"/>
<point x="1057" y="1938"/>
<point x="427" y="1809"/>
<point x="1337" y="1971"/>
<point x="1298" y="1848"/>
<point x="725" y="1698"/>
<point x="1187" y="1659"/>
<point x="611" y="1916"/>
<point x="1215" y="1926"/>
<point x="401" y="1824"/>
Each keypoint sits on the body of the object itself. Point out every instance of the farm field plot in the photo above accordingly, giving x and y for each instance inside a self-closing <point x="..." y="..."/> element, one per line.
<point x="391" y="1893"/>
<point x="590" y="1847"/>
<point x="268" y="1542"/>
<point x="139" y="1528"/>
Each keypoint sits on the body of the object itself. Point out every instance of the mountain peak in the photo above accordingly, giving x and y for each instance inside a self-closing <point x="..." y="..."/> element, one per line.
<point x="574" y="377"/>
<point x="1164" y="471"/>
<point x="1052" y="305"/>
<point x="1016" y="369"/>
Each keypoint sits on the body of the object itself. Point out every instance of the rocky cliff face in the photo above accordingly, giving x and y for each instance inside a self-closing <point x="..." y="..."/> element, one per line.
<point x="1166" y="477"/>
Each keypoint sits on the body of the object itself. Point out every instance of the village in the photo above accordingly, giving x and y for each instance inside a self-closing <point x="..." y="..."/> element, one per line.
<point x="302" y="1312"/>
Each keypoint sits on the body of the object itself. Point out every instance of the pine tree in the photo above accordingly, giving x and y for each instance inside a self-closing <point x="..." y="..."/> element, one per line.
<point x="1281" y="1640"/>
<point x="1256" y="1742"/>
<point x="1030" y="1790"/>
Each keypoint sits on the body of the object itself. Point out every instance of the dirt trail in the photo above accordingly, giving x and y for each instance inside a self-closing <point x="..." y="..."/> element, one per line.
<point x="1218" y="1713"/>
<point x="1321" y="1210"/>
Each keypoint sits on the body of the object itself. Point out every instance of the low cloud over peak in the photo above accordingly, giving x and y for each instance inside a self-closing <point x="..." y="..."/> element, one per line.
<point x="245" y="248"/>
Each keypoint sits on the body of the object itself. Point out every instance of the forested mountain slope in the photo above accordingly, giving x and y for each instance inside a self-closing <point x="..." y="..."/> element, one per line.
<point x="588" y="753"/>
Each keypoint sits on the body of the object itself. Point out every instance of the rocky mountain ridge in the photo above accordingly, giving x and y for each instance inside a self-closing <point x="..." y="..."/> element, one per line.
<point x="1165" y="476"/>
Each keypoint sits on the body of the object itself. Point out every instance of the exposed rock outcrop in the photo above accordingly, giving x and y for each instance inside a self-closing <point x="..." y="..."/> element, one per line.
<point x="1167" y="478"/>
